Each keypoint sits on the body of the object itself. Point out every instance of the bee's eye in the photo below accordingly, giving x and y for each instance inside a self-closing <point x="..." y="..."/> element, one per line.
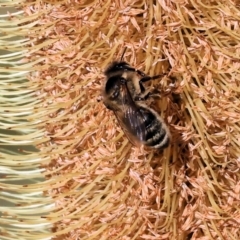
<point x="119" y="66"/>
<point x="123" y="80"/>
<point x="115" y="92"/>
<point x="122" y="65"/>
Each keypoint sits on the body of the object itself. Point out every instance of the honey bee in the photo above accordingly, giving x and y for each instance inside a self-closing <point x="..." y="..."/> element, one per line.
<point x="125" y="94"/>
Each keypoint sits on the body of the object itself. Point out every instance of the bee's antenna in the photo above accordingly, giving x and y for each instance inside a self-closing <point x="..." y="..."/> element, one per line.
<point x="123" y="54"/>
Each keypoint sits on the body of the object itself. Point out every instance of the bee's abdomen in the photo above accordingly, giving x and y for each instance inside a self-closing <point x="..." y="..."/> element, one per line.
<point x="157" y="134"/>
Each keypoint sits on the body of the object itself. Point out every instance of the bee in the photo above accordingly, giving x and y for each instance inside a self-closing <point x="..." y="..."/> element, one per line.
<point x="124" y="93"/>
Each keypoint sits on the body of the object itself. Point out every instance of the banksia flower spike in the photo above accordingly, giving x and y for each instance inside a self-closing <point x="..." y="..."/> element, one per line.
<point x="67" y="169"/>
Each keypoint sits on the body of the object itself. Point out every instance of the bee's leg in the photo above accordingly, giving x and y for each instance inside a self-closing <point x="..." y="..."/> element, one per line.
<point x="145" y="96"/>
<point x="154" y="94"/>
<point x="141" y="73"/>
<point x="148" y="78"/>
<point x="142" y="97"/>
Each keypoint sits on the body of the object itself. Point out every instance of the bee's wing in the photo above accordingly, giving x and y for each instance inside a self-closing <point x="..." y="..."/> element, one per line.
<point x="131" y="118"/>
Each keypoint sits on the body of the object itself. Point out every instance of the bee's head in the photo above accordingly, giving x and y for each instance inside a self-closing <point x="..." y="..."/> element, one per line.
<point x="113" y="90"/>
<point x="116" y="67"/>
<point x="112" y="87"/>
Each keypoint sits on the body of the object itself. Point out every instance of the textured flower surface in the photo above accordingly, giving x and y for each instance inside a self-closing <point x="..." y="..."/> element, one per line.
<point x="95" y="184"/>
